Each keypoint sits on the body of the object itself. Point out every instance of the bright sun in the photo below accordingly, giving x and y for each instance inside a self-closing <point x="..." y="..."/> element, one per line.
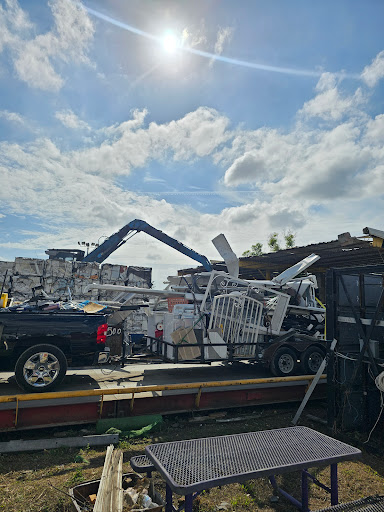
<point x="169" y="42"/>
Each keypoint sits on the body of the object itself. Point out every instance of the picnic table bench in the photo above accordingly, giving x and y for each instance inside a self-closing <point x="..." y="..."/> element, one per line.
<point x="141" y="464"/>
<point x="368" y="504"/>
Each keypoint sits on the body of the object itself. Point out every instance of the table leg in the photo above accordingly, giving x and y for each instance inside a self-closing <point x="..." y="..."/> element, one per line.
<point x="278" y="489"/>
<point x="188" y="503"/>
<point x="168" y="499"/>
<point x="334" y="485"/>
<point x="304" y="491"/>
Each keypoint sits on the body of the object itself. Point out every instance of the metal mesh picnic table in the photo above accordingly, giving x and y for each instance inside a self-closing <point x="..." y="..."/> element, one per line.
<point x="197" y="464"/>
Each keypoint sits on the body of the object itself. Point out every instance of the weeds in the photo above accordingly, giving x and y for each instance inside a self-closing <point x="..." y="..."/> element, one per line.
<point x="124" y="445"/>
<point x="31" y="492"/>
<point x="243" y="500"/>
<point x="76" y="478"/>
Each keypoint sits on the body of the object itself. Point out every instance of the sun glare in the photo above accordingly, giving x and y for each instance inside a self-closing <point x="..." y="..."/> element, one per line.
<point x="169" y="42"/>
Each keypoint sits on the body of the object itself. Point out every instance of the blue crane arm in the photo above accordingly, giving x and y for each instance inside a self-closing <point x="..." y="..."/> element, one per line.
<point x="115" y="241"/>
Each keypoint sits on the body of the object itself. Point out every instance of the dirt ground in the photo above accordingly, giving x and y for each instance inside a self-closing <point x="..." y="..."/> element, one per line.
<point x="27" y="479"/>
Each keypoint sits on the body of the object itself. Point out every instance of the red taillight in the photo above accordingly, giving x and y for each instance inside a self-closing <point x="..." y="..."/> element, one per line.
<point x="102" y="333"/>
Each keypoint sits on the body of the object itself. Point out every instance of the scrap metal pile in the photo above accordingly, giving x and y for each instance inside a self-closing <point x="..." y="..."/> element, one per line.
<point x="213" y="316"/>
<point x="34" y="284"/>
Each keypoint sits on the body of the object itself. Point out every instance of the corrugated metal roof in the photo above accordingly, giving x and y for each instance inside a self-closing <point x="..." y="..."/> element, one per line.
<point x="345" y="252"/>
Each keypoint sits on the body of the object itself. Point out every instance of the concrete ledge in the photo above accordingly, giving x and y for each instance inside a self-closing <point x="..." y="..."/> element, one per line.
<point x="48" y="444"/>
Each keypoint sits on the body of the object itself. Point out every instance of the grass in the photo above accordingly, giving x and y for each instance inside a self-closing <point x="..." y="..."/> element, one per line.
<point x="25" y="478"/>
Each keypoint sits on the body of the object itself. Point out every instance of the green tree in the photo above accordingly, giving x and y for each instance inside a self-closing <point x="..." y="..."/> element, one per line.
<point x="289" y="238"/>
<point x="273" y="244"/>
<point x="255" y="250"/>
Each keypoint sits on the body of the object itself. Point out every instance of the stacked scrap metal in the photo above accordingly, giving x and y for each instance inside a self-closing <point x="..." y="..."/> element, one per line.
<point x="57" y="276"/>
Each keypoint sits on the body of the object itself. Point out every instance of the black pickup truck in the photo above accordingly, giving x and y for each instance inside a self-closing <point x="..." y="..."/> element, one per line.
<point x="40" y="345"/>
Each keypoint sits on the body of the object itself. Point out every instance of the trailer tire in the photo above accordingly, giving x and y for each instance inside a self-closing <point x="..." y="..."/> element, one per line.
<point x="311" y="360"/>
<point x="284" y="362"/>
<point x="40" y="368"/>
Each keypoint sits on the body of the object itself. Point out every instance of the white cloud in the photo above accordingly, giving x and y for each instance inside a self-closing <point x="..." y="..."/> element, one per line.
<point x="33" y="65"/>
<point x="328" y="167"/>
<point x="35" y="58"/>
<point x="330" y="104"/>
<point x="17" y="18"/>
<point x="286" y="217"/>
<point x="375" y="71"/>
<point x="12" y="117"/>
<point x="375" y="129"/>
<point x="194" y="36"/>
<point x="198" y="133"/>
<point x="327" y="81"/>
<point x="70" y="120"/>
<point x="313" y="163"/>
<point x="148" y="178"/>
<point x="199" y="37"/>
<point x="247" y="167"/>
<point x="13" y="21"/>
<point x="131" y="144"/>
<point x="154" y="257"/>
<point x="224" y="35"/>
<point x="80" y="184"/>
<point x="263" y="156"/>
<point x="309" y="163"/>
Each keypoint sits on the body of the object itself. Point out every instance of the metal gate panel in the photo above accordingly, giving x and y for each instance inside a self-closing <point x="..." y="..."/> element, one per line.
<point x="237" y="318"/>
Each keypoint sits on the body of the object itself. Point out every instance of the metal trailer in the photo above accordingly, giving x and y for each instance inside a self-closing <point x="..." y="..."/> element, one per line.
<point x="233" y="320"/>
<point x="281" y="356"/>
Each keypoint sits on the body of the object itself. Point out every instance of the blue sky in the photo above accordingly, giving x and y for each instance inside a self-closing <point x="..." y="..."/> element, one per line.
<point x="266" y="116"/>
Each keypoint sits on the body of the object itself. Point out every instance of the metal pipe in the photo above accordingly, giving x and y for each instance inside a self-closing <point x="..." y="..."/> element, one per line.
<point x="133" y="289"/>
<point x="146" y="389"/>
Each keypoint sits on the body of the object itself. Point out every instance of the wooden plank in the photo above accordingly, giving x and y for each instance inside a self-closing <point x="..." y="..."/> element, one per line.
<point x="104" y="482"/>
<point x="116" y="503"/>
<point x="110" y="493"/>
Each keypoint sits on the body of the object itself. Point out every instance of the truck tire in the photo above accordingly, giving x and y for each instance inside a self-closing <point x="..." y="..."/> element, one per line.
<point x="311" y="360"/>
<point x="40" y="368"/>
<point x="284" y="362"/>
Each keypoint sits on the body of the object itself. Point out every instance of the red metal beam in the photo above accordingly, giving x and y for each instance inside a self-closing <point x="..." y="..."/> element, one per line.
<point x="79" y="411"/>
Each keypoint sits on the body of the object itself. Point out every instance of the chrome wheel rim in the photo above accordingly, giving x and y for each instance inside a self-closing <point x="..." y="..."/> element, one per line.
<point x="41" y="369"/>
<point x="315" y="361"/>
<point x="286" y="363"/>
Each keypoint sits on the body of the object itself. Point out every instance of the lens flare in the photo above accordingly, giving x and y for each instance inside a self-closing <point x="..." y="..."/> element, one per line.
<point x="169" y="42"/>
<point x="219" y="58"/>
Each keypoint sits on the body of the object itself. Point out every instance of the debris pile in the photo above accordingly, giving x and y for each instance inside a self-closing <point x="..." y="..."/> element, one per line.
<point x="36" y="305"/>
<point x="115" y="491"/>
<point x="66" y="283"/>
<point x="139" y="493"/>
